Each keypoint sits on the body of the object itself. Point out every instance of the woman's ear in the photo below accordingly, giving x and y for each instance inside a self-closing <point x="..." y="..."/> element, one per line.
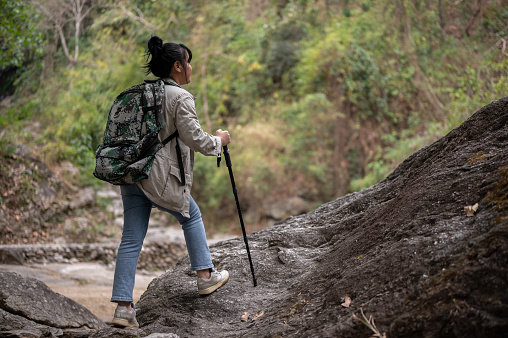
<point x="177" y="66"/>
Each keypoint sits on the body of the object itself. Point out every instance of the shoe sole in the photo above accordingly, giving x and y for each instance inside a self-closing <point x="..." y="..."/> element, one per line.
<point x="214" y="287"/>
<point x="123" y="323"/>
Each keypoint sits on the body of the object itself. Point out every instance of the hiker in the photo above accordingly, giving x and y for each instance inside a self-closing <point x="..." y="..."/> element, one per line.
<point x="164" y="188"/>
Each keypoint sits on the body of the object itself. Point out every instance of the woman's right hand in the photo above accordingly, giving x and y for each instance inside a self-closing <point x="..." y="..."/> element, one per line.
<point x="224" y="137"/>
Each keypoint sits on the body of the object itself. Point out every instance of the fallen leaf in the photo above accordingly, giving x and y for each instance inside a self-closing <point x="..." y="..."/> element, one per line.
<point x="259" y="314"/>
<point x="347" y="301"/>
<point x="471" y="209"/>
<point x="245" y="316"/>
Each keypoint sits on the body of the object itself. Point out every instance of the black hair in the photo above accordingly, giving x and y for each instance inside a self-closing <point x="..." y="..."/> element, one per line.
<point x="164" y="55"/>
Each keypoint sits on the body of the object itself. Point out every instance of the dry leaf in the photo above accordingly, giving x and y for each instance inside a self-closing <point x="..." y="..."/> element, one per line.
<point x="245" y="316"/>
<point x="471" y="209"/>
<point x="347" y="301"/>
<point x="259" y="314"/>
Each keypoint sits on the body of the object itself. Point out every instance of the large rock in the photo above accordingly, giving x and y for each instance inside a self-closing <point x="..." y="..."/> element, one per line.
<point x="285" y="208"/>
<point x="403" y="251"/>
<point x="27" y="303"/>
<point x="9" y="255"/>
<point x="12" y="325"/>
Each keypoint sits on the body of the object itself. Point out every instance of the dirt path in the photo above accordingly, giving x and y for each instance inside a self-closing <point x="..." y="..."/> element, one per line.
<point x="90" y="283"/>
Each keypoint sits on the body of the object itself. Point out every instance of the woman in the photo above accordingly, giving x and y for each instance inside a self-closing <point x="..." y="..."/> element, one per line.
<point x="164" y="188"/>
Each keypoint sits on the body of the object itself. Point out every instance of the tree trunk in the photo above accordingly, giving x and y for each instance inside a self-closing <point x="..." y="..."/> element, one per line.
<point x="441" y="14"/>
<point x="477" y="16"/>
<point x="49" y="57"/>
<point x="205" y="96"/>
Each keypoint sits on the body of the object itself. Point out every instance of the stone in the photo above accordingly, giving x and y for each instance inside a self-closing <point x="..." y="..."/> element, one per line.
<point x="404" y="251"/>
<point x="284" y="208"/>
<point x="112" y="332"/>
<point x="11" y="322"/>
<point x="10" y="255"/>
<point x="85" y="198"/>
<point x="33" y="300"/>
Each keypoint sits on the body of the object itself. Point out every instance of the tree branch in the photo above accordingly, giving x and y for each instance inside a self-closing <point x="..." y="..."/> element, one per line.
<point x="139" y="17"/>
<point x="63" y="41"/>
<point x="501" y="43"/>
<point x="59" y="13"/>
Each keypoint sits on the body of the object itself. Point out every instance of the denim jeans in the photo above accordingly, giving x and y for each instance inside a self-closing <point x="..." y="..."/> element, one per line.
<point x="137" y="208"/>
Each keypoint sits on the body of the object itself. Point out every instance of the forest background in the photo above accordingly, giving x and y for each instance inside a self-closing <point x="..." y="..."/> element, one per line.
<point x="321" y="97"/>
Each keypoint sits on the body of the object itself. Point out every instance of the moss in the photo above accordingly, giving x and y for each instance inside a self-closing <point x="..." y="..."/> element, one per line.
<point x="297" y="307"/>
<point x="480" y="157"/>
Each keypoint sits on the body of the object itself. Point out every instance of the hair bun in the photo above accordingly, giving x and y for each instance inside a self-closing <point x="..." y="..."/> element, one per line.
<point x="155" y="45"/>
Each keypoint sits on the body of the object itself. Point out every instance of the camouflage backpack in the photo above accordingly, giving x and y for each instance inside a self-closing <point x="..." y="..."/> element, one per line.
<point x="131" y="136"/>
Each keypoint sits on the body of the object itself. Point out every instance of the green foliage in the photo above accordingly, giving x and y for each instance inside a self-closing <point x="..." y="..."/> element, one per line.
<point x="344" y="55"/>
<point x="285" y="77"/>
<point x="308" y="125"/>
<point x="470" y="93"/>
<point x="18" y="32"/>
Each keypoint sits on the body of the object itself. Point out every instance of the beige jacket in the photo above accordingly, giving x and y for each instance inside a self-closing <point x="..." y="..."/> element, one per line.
<point x="163" y="186"/>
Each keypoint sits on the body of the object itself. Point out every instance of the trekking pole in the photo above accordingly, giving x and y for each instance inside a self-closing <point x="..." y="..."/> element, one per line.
<point x="228" y="164"/>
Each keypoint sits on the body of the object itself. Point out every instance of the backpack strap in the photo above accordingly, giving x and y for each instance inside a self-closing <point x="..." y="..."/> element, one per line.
<point x="175" y="134"/>
<point x="172" y="136"/>
<point x="180" y="162"/>
<point x="178" y="154"/>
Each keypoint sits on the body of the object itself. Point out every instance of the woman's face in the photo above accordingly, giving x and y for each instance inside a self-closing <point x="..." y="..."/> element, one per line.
<point x="182" y="73"/>
<point x="188" y="70"/>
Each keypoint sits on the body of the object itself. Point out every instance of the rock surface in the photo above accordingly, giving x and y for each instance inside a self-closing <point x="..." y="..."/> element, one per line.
<point x="403" y="251"/>
<point x="27" y="304"/>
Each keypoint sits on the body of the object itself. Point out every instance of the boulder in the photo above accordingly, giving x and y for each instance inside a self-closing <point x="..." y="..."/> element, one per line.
<point x="284" y="208"/>
<point x="10" y="255"/>
<point x="12" y="325"/>
<point x="403" y="251"/>
<point x="28" y="304"/>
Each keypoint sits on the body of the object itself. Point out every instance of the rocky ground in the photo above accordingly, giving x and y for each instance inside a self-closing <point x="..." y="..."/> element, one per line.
<point x="89" y="284"/>
<point x="404" y="251"/>
<point x="423" y="253"/>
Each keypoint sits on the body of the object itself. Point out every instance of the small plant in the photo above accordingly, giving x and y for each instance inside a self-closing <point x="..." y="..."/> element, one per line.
<point x="370" y="324"/>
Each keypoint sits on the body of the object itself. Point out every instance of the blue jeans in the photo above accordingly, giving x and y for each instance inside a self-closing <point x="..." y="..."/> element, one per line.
<point x="137" y="208"/>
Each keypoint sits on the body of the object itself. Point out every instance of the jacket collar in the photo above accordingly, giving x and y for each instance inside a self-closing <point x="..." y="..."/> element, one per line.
<point x="169" y="79"/>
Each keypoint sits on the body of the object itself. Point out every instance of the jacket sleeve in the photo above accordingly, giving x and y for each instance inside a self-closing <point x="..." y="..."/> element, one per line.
<point x="190" y="131"/>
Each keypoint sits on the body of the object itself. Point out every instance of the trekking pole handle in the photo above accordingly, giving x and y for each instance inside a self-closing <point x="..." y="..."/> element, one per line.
<point x="227" y="157"/>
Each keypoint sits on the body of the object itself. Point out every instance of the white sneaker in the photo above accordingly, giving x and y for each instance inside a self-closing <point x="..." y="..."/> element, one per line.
<point x="124" y="317"/>
<point x="216" y="280"/>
